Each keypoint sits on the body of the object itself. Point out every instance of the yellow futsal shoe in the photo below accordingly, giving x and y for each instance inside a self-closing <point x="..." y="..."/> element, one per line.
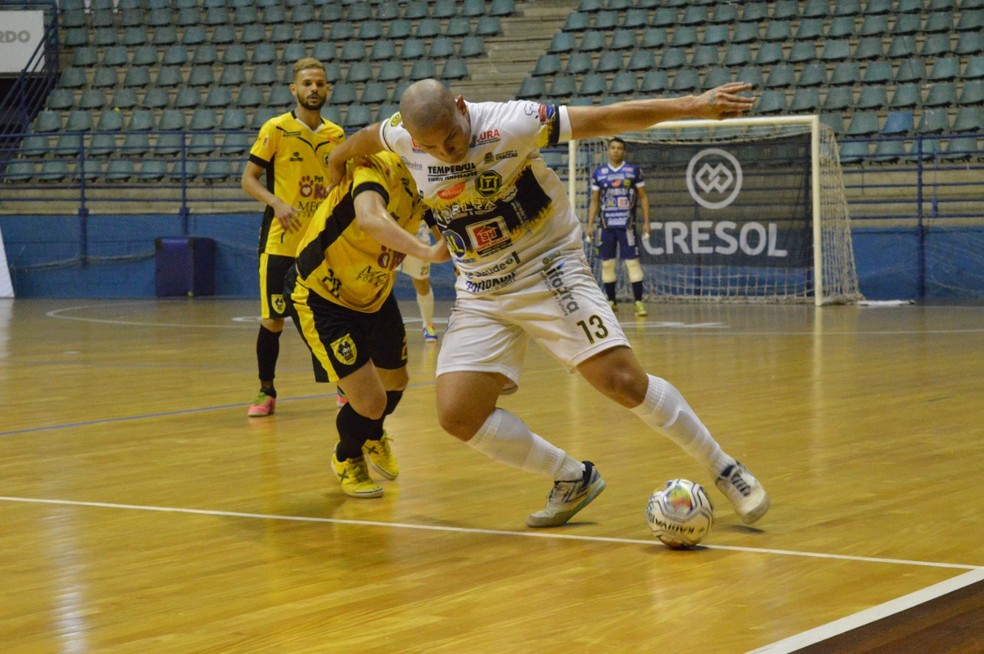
<point x="381" y="457"/>
<point x="354" y="477"/>
<point x="640" y="310"/>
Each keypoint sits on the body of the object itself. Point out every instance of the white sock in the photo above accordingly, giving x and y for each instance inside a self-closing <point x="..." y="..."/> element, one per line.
<point x="426" y="304"/>
<point x="507" y="439"/>
<point x="664" y="409"/>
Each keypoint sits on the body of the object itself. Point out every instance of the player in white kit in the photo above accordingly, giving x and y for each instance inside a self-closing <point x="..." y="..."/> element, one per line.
<point x="516" y="244"/>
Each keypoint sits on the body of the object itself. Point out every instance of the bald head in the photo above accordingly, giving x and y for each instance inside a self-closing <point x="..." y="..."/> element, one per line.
<point x="426" y="105"/>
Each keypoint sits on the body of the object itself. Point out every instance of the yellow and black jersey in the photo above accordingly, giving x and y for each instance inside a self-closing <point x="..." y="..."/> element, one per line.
<point x="337" y="260"/>
<point x="295" y="158"/>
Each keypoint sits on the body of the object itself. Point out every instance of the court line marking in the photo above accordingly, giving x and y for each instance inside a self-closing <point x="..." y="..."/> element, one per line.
<point x="468" y="530"/>
<point x="873" y="614"/>
<point x="671" y="327"/>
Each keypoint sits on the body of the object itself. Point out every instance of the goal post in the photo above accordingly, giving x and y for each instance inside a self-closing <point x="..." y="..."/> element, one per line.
<point x="742" y="210"/>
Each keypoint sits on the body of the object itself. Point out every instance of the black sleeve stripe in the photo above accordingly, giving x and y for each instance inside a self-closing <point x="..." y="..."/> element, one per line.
<point x="372" y="186"/>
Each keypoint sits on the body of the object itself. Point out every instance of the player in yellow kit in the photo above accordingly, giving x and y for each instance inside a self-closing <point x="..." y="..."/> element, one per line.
<point x="340" y="294"/>
<point x="291" y="150"/>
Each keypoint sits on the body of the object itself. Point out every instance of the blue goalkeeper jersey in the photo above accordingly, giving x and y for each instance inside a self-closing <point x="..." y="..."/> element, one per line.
<point x="617" y="199"/>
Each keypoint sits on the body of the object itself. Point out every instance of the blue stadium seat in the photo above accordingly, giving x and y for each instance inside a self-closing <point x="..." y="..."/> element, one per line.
<point x="941" y="94"/>
<point x="359" y="71"/>
<point x="874" y="25"/>
<point x="772" y="101"/>
<point x="814" y="74"/>
<point x="746" y="33"/>
<point x="863" y="123"/>
<point x="946" y="68"/>
<point x="471" y="46"/>
<point x="779" y="76"/>
<point x="838" y="98"/>
<point x="872" y="97"/>
<point x="716" y="35"/>
<point x="357" y="116"/>
<point x="92" y="99"/>
<point x="841" y="27"/>
<point x="974" y="68"/>
<point x="642" y="59"/>
<point x="623" y="83"/>
<point x="778" y="30"/>
<point x="454" y="68"/>
<point x="968" y="119"/>
<point x="654" y="82"/>
<point x="845" y="72"/>
<point x="705" y="56"/>
<point x="897" y="122"/>
<point x="124" y="98"/>
<point x="653" y="38"/>
<point x="391" y="71"/>
<point x="802" y="51"/>
<point x="934" y="121"/>
<point x="806" y="100"/>
<point x="716" y="77"/>
<point x="120" y="170"/>
<point x="905" y="96"/>
<point x="423" y="69"/>
<point x="869" y="47"/>
<point x="969" y="43"/>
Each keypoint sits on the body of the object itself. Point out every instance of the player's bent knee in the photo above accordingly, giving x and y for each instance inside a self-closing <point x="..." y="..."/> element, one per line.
<point x="634" y="268"/>
<point x="608" y="273"/>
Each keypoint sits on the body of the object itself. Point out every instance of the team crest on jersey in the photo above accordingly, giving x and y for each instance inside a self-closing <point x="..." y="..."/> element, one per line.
<point x="344" y="349"/>
<point x="488" y="183"/>
<point x="278" y="303"/>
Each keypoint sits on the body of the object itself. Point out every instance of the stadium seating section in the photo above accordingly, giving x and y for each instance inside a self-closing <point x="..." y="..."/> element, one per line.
<point x="146" y="84"/>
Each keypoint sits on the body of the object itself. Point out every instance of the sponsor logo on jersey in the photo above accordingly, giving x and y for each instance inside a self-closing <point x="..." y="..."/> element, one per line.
<point x="486" y="137"/>
<point x="373" y="276"/>
<point x="344" y="349"/>
<point x="488" y="183"/>
<point x="546" y="113"/>
<point x="492" y="157"/>
<point x="553" y="277"/>
<point x="451" y="192"/>
<point x="296" y="157"/>
<point x="510" y="261"/>
<point x="489" y="236"/>
<point x="485" y="285"/>
<point x="451" y="171"/>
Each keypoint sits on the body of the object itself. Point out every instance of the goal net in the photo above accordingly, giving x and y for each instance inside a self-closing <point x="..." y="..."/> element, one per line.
<point x="742" y="210"/>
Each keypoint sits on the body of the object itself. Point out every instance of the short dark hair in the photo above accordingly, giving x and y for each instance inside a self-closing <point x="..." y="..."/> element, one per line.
<point x="616" y="139"/>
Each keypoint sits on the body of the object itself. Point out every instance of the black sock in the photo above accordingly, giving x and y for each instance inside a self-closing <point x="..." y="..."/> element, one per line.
<point x="267" y="351"/>
<point x="354" y="430"/>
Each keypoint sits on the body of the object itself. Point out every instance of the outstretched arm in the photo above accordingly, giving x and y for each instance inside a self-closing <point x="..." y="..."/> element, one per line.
<point x="632" y="115"/>
<point x="363" y="143"/>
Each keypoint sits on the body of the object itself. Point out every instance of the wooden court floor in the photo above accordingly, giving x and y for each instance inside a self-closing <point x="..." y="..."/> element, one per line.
<point x="142" y="511"/>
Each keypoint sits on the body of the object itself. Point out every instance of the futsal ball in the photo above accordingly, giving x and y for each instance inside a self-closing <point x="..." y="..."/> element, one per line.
<point x="679" y="513"/>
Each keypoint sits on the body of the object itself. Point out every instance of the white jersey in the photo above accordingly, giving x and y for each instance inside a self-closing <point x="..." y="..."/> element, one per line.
<point x="503" y="213"/>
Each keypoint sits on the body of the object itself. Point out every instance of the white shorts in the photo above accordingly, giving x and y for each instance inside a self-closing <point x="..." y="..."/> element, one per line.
<point x="416" y="268"/>
<point x="562" y="309"/>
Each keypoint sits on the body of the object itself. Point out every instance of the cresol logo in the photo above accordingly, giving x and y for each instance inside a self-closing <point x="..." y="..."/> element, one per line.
<point x="711" y="174"/>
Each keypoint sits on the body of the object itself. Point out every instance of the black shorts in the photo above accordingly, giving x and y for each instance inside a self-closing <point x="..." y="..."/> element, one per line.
<point x="343" y="340"/>
<point x="273" y="267"/>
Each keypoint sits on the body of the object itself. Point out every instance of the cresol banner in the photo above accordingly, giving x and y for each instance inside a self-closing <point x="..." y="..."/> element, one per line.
<point x="729" y="204"/>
